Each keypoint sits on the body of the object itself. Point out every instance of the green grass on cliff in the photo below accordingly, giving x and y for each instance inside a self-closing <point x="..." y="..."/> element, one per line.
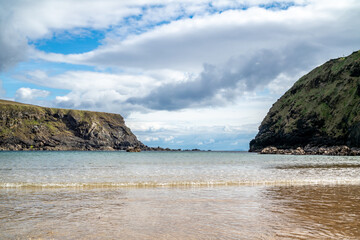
<point x="22" y="120"/>
<point x="330" y="92"/>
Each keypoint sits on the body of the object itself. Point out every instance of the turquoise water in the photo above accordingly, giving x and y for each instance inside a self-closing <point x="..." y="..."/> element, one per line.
<point x="177" y="195"/>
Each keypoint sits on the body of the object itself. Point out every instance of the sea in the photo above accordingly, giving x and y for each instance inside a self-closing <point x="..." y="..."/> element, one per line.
<point x="178" y="195"/>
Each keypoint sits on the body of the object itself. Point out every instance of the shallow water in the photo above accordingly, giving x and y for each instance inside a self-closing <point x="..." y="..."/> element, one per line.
<point x="178" y="195"/>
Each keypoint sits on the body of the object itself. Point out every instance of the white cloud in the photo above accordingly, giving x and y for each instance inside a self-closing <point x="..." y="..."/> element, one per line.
<point x="151" y="139"/>
<point x="86" y="80"/>
<point x="28" y="94"/>
<point x="190" y="126"/>
<point x="22" y="21"/>
<point x="169" y="139"/>
<point x="283" y="82"/>
<point x="187" y="44"/>
<point x="102" y="91"/>
<point x="224" y="54"/>
<point x="183" y="44"/>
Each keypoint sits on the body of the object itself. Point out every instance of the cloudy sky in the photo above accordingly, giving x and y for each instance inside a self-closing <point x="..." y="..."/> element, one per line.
<point x="184" y="74"/>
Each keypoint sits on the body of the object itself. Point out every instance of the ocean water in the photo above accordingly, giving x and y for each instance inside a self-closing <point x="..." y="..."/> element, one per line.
<point x="178" y="195"/>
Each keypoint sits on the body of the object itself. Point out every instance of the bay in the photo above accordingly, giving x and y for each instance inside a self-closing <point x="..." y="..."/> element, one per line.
<point x="178" y="195"/>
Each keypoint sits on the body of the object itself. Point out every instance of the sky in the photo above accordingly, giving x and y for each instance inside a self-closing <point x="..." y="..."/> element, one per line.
<point x="184" y="74"/>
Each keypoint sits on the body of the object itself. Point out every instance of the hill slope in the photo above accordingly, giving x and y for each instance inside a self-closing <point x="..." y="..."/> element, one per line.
<point x="27" y="127"/>
<point x="321" y="109"/>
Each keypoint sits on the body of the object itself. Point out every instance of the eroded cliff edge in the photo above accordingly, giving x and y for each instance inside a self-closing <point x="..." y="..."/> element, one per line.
<point x="29" y="127"/>
<point x="321" y="110"/>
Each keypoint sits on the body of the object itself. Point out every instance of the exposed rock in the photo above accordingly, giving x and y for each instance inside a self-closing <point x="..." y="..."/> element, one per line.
<point x="269" y="150"/>
<point x="133" y="149"/>
<point x="29" y="127"/>
<point x="334" y="151"/>
<point x="160" y="149"/>
<point x="320" y="114"/>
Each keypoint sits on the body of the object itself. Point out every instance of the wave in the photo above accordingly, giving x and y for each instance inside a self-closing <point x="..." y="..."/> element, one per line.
<point x="182" y="184"/>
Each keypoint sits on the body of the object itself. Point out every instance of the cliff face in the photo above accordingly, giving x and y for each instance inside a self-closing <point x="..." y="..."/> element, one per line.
<point x="321" y="109"/>
<point x="27" y="127"/>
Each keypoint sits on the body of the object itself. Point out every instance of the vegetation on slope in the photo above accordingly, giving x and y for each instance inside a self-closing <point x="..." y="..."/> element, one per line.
<point x="321" y="109"/>
<point x="26" y="127"/>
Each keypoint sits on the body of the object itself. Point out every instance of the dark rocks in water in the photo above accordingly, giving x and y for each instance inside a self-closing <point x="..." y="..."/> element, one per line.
<point x="308" y="150"/>
<point x="29" y="127"/>
<point x="133" y="149"/>
<point x="321" y="110"/>
<point x="160" y="149"/>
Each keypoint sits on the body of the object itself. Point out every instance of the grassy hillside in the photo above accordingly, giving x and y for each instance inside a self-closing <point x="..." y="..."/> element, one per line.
<point x="24" y="126"/>
<point x="321" y="109"/>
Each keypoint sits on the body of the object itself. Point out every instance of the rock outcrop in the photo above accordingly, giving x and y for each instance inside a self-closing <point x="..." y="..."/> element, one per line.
<point x="334" y="151"/>
<point x="321" y="111"/>
<point x="29" y="127"/>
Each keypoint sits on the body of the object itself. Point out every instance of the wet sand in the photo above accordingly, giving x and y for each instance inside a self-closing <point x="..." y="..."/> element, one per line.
<point x="259" y="212"/>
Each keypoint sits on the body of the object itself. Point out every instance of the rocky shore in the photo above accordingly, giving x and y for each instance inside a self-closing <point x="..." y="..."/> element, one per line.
<point x="151" y="149"/>
<point x="308" y="150"/>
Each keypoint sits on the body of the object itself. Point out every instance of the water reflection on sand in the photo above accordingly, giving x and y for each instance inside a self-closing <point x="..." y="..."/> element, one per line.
<point x="320" y="212"/>
<point x="260" y="212"/>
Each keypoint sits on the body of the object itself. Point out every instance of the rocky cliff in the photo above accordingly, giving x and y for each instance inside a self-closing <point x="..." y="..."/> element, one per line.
<point x="322" y="109"/>
<point x="29" y="127"/>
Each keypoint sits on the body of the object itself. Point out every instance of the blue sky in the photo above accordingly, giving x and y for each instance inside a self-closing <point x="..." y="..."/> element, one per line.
<point x="67" y="42"/>
<point x="184" y="74"/>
